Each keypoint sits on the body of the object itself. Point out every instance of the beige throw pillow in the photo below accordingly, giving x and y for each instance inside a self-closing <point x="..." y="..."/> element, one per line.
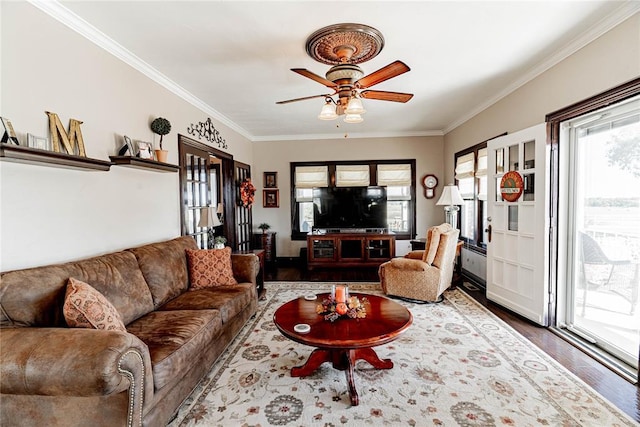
<point x="86" y="307"/>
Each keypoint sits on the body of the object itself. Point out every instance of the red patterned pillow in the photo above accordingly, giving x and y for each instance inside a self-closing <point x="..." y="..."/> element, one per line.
<point x="86" y="307"/>
<point x="210" y="267"/>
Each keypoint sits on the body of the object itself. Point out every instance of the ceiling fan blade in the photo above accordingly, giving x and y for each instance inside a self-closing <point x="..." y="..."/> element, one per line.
<point x="385" y="73"/>
<point x="302" y="99"/>
<point x="386" y="96"/>
<point x="315" y="77"/>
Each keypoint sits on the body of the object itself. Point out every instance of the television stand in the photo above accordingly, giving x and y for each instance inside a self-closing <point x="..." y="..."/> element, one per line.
<point x="349" y="249"/>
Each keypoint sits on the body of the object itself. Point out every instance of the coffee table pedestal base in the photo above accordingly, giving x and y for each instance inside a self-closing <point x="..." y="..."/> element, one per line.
<point x="343" y="360"/>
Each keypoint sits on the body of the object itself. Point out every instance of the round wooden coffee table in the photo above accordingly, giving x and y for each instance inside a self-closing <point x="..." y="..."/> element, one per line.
<point x="346" y="340"/>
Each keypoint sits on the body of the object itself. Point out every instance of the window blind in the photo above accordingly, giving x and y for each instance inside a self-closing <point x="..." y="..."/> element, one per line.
<point x="465" y="167"/>
<point x="394" y="175"/>
<point x="311" y="176"/>
<point x="352" y="175"/>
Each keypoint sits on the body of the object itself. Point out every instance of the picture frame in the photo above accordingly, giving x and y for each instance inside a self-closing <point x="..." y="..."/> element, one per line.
<point x="270" y="198"/>
<point x="8" y="134"/>
<point x="127" y="147"/>
<point x="39" y="142"/>
<point x="145" y="150"/>
<point x="271" y="180"/>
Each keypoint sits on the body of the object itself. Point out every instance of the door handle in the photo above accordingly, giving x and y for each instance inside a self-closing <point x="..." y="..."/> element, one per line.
<point x="488" y="230"/>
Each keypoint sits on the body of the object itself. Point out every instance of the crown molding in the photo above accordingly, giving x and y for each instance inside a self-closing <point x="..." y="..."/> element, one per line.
<point x="345" y="135"/>
<point x="615" y="18"/>
<point x="82" y="27"/>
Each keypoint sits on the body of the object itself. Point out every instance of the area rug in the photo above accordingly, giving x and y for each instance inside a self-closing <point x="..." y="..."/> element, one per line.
<point x="458" y="364"/>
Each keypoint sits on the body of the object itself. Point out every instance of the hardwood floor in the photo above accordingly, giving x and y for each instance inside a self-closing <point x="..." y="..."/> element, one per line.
<point x="613" y="387"/>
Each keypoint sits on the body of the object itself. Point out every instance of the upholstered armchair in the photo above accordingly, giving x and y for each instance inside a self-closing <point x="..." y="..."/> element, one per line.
<point x="423" y="275"/>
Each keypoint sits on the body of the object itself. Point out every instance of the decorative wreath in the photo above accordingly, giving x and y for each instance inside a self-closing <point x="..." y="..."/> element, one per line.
<point x="247" y="193"/>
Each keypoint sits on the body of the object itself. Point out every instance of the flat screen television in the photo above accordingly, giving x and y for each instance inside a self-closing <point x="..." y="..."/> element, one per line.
<point x="350" y="207"/>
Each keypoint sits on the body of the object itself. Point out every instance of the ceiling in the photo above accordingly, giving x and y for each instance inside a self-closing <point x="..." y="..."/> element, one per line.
<point x="233" y="58"/>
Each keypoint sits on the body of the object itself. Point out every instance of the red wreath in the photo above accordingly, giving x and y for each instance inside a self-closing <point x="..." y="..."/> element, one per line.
<point x="247" y="193"/>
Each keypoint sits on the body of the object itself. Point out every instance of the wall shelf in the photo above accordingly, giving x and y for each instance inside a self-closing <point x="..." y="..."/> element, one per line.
<point x="137" y="162"/>
<point x="34" y="156"/>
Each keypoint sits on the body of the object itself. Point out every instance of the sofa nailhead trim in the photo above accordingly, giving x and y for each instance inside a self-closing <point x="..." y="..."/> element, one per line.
<point x="132" y="388"/>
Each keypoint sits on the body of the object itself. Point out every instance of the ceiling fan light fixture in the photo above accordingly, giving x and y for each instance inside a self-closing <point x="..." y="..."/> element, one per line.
<point x="353" y="118"/>
<point x="355" y="106"/>
<point x="328" y="112"/>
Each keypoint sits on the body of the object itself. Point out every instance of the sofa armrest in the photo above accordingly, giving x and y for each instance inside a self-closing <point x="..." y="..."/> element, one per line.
<point x="74" y="362"/>
<point x="245" y="267"/>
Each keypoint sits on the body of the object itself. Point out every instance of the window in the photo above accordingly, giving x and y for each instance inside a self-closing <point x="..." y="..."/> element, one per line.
<point x="397" y="175"/>
<point x="471" y="178"/>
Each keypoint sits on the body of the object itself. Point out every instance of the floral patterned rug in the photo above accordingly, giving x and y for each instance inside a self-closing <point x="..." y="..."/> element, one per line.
<point x="458" y="364"/>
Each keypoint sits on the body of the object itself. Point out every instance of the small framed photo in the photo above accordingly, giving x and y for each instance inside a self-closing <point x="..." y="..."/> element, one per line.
<point x="8" y="134"/>
<point x="39" y="142"/>
<point x="271" y="180"/>
<point x="127" y="147"/>
<point x="270" y="198"/>
<point x="145" y="150"/>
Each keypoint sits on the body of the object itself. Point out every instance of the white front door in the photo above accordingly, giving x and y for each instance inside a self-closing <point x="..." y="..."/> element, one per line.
<point x="518" y="246"/>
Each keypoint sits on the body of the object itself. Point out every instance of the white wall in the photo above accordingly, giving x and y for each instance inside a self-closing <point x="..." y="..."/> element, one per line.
<point x="52" y="215"/>
<point x="276" y="156"/>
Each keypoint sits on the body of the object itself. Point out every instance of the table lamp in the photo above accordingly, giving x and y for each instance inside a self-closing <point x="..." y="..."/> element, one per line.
<point x="209" y="220"/>
<point x="450" y="198"/>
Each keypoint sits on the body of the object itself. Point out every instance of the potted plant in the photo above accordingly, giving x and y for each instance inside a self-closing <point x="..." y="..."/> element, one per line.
<point x="219" y="241"/>
<point x="161" y="126"/>
<point x="264" y="227"/>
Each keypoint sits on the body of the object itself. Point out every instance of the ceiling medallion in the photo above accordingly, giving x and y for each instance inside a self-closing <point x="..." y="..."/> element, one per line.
<point x="345" y="43"/>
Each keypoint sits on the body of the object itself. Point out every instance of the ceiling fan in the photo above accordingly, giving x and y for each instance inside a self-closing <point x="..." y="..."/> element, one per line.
<point x="344" y="46"/>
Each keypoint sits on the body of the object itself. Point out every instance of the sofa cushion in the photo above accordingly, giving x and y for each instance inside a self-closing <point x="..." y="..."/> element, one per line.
<point x="229" y="300"/>
<point x="210" y="267"/>
<point x="164" y="267"/>
<point x="175" y="339"/>
<point x="85" y="307"/>
<point x="118" y="277"/>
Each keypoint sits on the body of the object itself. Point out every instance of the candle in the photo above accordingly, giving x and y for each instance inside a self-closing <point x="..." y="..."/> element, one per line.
<point x="340" y="294"/>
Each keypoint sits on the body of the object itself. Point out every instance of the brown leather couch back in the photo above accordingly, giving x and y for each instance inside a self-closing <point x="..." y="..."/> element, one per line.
<point x="34" y="296"/>
<point x="164" y="266"/>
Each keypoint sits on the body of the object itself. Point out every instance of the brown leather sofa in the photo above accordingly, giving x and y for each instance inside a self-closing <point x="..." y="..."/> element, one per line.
<point x="53" y="375"/>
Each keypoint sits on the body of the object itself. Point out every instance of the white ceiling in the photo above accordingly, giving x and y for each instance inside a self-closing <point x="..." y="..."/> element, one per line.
<point x="233" y="58"/>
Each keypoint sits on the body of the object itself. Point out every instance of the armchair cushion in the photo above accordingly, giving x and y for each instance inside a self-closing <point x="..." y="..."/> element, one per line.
<point x="433" y="241"/>
<point x="409" y="264"/>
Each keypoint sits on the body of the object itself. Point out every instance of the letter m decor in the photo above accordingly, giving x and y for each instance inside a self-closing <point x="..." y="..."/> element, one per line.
<point x="72" y="142"/>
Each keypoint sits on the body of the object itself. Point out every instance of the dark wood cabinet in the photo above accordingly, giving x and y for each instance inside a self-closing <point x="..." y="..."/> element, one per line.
<point x="266" y="241"/>
<point x="349" y="249"/>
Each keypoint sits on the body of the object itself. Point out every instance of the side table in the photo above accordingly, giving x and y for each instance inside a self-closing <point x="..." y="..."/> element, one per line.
<point x="266" y="241"/>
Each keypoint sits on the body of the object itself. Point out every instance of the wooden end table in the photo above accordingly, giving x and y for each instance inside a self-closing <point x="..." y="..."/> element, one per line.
<point x="346" y="340"/>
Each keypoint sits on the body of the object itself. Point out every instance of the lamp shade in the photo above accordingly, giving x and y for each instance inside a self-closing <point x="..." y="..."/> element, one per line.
<point x="208" y="217"/>
<point x="355" y="106"/>
<point x="353" y="118"/>
<point x="328" y="112"/>
<point x="450" y="196"/>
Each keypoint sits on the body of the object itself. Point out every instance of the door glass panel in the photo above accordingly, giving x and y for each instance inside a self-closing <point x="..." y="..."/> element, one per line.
<point x="513" y="157"/>
<point x="498" y="192"/>
<point x="529" y="187"/>
<point x="529" y="155"/>
<point x="500" y="160"/>
<point x="513" y="218"/>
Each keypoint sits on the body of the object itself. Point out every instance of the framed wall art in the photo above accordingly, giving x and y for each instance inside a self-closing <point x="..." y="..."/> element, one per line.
<point x="39" y="142"/>
<point x="271" y="180"/>
<point x="270" y="198"/>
